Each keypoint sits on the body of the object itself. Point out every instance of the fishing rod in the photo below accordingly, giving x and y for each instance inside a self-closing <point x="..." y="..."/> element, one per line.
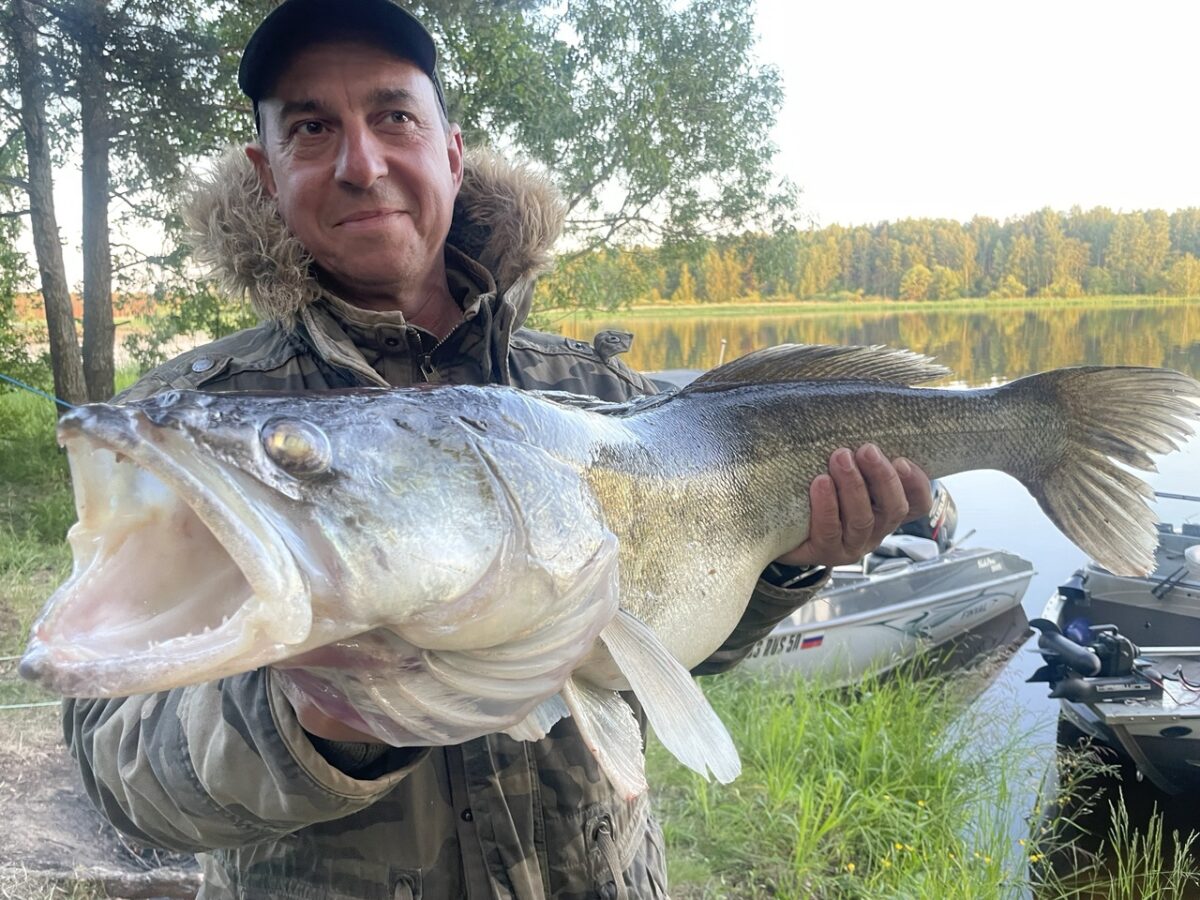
<point x="33" y="390"/>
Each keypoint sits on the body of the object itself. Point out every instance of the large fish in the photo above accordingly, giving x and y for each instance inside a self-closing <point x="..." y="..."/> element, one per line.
<point x="435" y="564"/>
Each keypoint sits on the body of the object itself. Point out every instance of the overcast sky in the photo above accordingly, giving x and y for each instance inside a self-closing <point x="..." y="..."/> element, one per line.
<point x="927" y="108"/>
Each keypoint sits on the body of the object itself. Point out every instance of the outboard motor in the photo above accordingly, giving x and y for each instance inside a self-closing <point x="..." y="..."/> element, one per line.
<point x="941" y="522"/>
<point x="1089" y="664"/>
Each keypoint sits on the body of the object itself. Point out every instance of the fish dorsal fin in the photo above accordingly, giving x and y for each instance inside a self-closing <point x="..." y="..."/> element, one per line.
<point x="681" y="716"/>
<point x="813" y="362"/>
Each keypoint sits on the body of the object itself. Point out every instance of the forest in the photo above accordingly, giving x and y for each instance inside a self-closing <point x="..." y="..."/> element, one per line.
<point x="1042" y="254"/>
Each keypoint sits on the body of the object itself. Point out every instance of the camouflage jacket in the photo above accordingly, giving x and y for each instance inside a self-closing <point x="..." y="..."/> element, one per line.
<point x="224" y="769"/>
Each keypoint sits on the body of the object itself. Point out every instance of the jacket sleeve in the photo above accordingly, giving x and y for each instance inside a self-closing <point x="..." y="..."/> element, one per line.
<point x="769" y="605"/>
<point x="221" y="764"/>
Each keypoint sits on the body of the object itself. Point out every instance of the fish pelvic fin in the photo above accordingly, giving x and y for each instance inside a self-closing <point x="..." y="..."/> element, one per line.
<point x="815" y="362"/>
<point x="1110" y="415"/>
<point x="538" y="723"/>
<point x="677" y="709"/>
<point x="608" y="727"/>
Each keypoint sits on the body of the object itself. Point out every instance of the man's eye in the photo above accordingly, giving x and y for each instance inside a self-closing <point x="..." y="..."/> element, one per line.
<point x="399" y="118"/>
<point x="309" y="128"/>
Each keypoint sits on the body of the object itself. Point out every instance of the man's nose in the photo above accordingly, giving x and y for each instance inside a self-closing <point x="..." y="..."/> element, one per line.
<point x="360" y="158"/>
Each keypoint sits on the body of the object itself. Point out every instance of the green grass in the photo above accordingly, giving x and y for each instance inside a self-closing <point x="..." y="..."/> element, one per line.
<point x="889" y="792"/>
<point x="36" y="509"/>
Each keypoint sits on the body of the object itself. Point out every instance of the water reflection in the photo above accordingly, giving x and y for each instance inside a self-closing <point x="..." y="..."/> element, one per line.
<point x="980" y="347"/>
<point x="1094" y="794"/>
<point x="983" y="348"/>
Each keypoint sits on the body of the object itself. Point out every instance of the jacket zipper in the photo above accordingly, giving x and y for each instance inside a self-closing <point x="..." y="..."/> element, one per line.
<point x="428" y="371"/>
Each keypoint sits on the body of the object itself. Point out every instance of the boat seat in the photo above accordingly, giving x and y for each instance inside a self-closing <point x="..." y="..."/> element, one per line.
<point x="1191" y="559"/>
<point x="900" y="548"/>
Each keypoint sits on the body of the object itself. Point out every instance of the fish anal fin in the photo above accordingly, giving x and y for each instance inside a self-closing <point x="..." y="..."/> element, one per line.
<point x="677" y="709"/>
<point x="611" y="732"/>
<point x="814" y="362"/>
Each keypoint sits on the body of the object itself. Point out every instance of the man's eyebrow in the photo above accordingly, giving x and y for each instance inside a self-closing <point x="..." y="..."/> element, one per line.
<point x="292" y="107"/>
<point x="387" y="96"/>
<point x="378" y="97"/>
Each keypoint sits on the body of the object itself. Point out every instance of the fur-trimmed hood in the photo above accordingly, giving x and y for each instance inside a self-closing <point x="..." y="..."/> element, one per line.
<point x="506" y="216"/>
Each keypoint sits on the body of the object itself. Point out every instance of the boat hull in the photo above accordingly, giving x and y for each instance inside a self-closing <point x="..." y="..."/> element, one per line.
<point x="946" y="611"/>
<point x="1159" y="735"/>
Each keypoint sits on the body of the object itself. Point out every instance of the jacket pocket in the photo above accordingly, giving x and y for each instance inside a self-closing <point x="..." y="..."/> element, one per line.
<point x="609" y="878"/>
<point x="645" y="877"/>
<point x="321" y="882"/>
<point x="407" y="886"/>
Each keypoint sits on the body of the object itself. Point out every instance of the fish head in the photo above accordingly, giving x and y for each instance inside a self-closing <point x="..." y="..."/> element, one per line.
<point x="221" y="532"/>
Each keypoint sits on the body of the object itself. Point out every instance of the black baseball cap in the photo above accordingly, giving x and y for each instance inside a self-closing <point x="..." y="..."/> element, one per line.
<point x="296" y="24"/>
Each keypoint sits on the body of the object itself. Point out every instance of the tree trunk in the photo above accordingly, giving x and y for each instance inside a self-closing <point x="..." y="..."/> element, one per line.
<point x="97" y="258"/>
<point x="69" y="383"/>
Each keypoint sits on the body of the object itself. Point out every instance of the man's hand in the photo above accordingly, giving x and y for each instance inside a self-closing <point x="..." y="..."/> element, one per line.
<point x="863" y="498"/>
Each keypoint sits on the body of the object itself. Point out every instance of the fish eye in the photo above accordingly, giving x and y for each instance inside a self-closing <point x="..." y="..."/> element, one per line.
<point x="299" y="448"/>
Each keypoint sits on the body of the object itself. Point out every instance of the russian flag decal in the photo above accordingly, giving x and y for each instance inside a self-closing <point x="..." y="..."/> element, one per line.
<point x="811" y="641"/>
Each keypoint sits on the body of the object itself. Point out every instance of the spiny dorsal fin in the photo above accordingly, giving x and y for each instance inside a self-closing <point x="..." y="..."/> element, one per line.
<point x="809" y="362"/>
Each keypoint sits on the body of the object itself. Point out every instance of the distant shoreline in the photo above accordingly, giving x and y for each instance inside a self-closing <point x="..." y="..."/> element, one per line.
<point x="872" y="305"/>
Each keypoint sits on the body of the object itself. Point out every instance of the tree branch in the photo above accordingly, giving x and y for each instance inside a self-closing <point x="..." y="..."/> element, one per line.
<point x="14" y="214"/>
<point x="586" y="191"/>
<point x="14" y="182"/>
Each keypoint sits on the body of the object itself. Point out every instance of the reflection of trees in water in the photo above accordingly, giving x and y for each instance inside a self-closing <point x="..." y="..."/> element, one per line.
<point x="978" y="346"/>
<point x="1097" y="824"/>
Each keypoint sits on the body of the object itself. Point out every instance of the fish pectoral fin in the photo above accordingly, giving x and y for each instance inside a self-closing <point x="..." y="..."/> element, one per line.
<point x="815" y="362"/>
<point x="681" y="715"/>
<point x="538" y="723"/>
<point x="611" y="732"/>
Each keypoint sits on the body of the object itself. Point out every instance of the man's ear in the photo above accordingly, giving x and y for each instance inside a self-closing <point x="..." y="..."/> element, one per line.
<point x="454" y="149"/>
<point x="262" y="166"/>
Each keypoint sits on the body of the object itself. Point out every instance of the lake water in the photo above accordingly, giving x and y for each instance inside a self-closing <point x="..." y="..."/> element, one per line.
<point x="981" y="348"/>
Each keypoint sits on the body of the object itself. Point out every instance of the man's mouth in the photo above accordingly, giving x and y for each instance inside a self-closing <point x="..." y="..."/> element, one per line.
<point x="368" y="217"/>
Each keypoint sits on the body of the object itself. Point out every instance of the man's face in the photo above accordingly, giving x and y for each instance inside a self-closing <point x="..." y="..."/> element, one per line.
<point x="355" y="152"/>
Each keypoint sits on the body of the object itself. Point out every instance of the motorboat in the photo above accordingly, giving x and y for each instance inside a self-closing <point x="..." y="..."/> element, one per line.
<point x="1122" y="656"/>
<point x="920" y="595"/>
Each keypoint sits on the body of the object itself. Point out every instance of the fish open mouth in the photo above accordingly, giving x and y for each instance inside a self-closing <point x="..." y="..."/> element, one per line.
<point x="178" y="576"/>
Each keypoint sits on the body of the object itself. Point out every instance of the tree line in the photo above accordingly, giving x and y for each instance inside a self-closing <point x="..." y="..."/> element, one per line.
<point x="1043" y="254"/>
<point x="602" y="98"/>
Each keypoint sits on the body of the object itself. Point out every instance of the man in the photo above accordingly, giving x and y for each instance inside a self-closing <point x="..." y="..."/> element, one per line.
<point x="382" y="254"/>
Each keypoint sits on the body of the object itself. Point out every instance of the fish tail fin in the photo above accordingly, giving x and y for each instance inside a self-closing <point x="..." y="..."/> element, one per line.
<point x="1110" y="415"/>
<point x="677" y="709"/>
